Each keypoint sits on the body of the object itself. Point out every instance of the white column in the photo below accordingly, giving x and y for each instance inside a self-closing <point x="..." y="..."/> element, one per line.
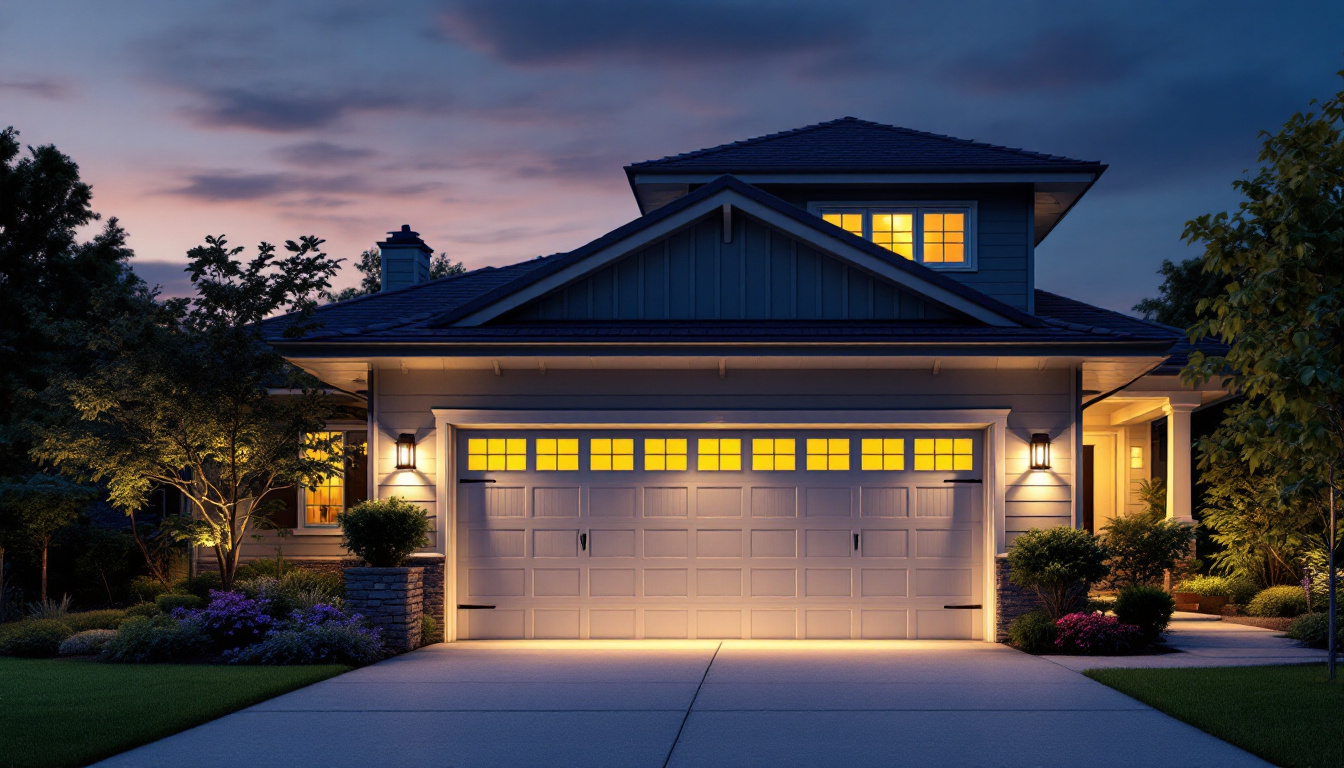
<point x="1178" y="460"/>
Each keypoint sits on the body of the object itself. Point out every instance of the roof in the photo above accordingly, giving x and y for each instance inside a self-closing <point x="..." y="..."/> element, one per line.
<point x="854" y="145"/>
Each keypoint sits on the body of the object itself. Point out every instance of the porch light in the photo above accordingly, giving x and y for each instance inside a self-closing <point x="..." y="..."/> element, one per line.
<point x="1040" y="451"/>
<point x="406" y="451"/>
<point x="1136" y="457"/>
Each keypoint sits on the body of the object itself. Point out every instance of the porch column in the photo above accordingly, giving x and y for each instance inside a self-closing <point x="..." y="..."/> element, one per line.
<point x="1178" y="460"/>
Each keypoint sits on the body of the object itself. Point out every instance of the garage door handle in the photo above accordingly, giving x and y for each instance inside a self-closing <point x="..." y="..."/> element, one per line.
<point x="583" y="542"/>
<point x="975" y="607"/>
<point x="856" y="542"/>
<point x="470" y="607"/>
<point x="961" y="480"/>
<point x="475" y="480"/>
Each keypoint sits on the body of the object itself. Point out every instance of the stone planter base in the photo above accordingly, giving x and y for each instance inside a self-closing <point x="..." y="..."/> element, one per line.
<point x="392" y="599"/>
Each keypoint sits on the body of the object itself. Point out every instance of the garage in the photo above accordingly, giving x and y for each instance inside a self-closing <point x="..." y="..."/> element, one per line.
<point x="698" y="534"/>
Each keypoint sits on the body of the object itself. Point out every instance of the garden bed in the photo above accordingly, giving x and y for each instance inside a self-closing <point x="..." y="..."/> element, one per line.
<point x="1276" y="624"/>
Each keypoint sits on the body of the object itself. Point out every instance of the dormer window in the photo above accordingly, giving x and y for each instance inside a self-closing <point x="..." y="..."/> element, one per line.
<point x="937" y="235"/>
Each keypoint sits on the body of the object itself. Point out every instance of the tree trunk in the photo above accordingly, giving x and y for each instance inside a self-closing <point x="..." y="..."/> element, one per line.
<point x="1332" y="640"/>
<point x="44" y="571"/>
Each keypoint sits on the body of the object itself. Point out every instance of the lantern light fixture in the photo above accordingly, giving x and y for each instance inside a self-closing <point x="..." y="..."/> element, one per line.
<point x="1040" y="451"/>
<point x="406" y="451"/>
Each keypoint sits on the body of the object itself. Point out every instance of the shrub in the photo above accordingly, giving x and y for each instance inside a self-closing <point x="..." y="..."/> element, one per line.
<point x="1033" y="632"/>
<point x="305" y="580"/>
<point x="265" y="568"/>
<point x="1101" y="604"/>
<point x="50" y="609"/>
<point x="145" y="589"/>
<point x="87" y="620"/>
<point x="1147" y="608"/>
<point x="1313" y="629"/>
<point x="167" y="603"/>
<point x="1140" y="548"/>
<point x="323" y="644"/>
<point x="384" y="532"/>
<point x="1058" y="564"/>
<point x="199" y="585"/>
<point x="34" y="638"/>
<point x="147" y="641"/>
<point x="1091" y="634"/>
<point x="429" y="630"/>
<point x="143" y="610"/>
<point x="230" y="619"/>
<point x="86" y="643"/>
<point x="1278" y="602"/>
<point x="1207" y="586"/>
<point x="295" y="591"/>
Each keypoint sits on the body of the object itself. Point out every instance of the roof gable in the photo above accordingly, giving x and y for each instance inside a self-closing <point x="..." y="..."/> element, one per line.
<point x="851" y="144"/>
<point x="729" y="195"/>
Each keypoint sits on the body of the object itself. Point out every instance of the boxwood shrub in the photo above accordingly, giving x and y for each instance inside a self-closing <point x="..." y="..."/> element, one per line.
<point x="34" y="638"/>
<point x="1033" y="632"/>
<point x="1148" y="608"/>
<point x="1278" y="602"/>
<point x="1312" y="630"/>
<point x="384" y="532"/>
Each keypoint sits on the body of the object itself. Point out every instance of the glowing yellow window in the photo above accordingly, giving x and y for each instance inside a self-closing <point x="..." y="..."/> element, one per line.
<point x="944" y="454"/>
<point x="714" y="454"/>
<point x="828" y="453"/>
<point x="665" y="454"/>
<point x="944" y="238"/>
<point x="895" y="232"/>
<point x="882" y="454"/>
<point x="321" y="502"/>
<point x="777" y="454"/>
<point x="496" y="454"/>
<point x="616" y="454"/>
<point x="850" y="222"/>
<point x="557" y="454"/>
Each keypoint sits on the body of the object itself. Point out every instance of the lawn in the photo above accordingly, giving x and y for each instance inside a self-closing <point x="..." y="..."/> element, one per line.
<point x="56" y="712"/>
<point x="1288" y="715"/>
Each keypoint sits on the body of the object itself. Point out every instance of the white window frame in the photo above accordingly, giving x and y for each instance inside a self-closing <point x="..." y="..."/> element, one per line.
<point x="918" y="208"/>
<point x="311" y="529"/>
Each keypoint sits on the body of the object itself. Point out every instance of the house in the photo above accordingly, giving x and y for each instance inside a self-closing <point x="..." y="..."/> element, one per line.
<point x="812" y="391"/>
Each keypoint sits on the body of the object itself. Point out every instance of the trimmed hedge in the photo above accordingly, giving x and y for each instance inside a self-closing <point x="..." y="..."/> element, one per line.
<point x="1312" y="630"/>
<point x="34" y="638"/>
<point x="1148" y="608"/>
<point x="1278" y="602"/>
<point x="1033" y="632"/>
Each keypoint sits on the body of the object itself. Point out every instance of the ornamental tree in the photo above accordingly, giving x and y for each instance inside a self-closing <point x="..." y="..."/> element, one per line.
<point x="1280" y="259"/>
<point x="42" y="506"/>
<point x="183" y="397"/>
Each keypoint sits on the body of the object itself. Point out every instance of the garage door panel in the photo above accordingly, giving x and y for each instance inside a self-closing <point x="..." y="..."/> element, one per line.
<point x="611" y="624"/>
<point x="959" y="504"/>
<point x="774" y="502"/>
<point x="827" y="543"/>
<point x="943" y="625"/>
<point x="665" y="502"/>
<point x="555" y="582"/>
<point x="883" y="625"/>
<point x="505" y="624"/>
<point x="883" y="582"/>
<point x="774" y="582"/>
<point x="718" y="624"/>
<point x="556" y="624"/>
<point x="491" y="543"/>
<point x="555" y="543"/>
<point x="884" y="543"/>
<point x="496" y="582"/>
<point x="716" y="543"/>
<point x="943" y="582"/>
<point x="666" y="543"/>
<point x="666" y="625"/>
<point x="774" y="543"/>
<point x="666" y="582"/>
<point x="884" y="502"/>
<point x="611" y="582"/>
<point x="555" y="502"/>
<point x="504" y="502"/>
<point x="827" y="582"/>
<point x="774" y="624"/>
<point x="718" y="582"/>
<point x="718" y="502"/>
<point x="826" y="624"/>
<point x="611" y="542"/>
<point x="612" y="502"/>
<point x="828" y="502"/>
<point x="953" y="544"/>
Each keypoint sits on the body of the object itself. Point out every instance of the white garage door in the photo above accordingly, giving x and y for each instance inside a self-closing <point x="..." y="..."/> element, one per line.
<point x="723" y="534"/>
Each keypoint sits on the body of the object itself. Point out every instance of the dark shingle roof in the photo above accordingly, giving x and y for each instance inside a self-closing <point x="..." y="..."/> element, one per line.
<point x="1062" y="312"/>
<point x="851" y="144"/>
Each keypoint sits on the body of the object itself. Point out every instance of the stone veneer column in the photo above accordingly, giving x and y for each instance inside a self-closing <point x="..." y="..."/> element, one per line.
<point x="1012" y="601"/>
<point x="392" y="599"/>
<point x="435" y="577"/>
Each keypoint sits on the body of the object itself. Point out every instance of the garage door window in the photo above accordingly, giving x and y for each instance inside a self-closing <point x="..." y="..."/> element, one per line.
<point x="497" y="454"/>
<point x="611" y="455"/>
<point x="665" y="455"/>
<point x="943" y="454"/>
<point x="558" y="454"/>
<point x="774" y="454"/>
<point x="828" y="454"/>
<point x="717" y="454"/>
<point x="884" y="454"/>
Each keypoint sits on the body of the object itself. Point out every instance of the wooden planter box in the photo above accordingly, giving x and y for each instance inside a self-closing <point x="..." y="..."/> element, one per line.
<point x="1212" y="604"/>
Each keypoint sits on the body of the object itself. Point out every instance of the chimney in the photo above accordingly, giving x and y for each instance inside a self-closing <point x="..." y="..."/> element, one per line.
<point x="405" y="259"/>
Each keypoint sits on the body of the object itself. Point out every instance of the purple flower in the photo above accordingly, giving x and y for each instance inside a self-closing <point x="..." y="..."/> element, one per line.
<point x="1095" y="633"/>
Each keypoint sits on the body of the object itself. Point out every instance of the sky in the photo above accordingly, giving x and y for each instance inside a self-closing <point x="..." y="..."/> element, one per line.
<point x="499" y="130"/>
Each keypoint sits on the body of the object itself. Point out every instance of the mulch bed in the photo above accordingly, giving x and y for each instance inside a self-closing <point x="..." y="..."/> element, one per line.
<point x="1280" y="625"/>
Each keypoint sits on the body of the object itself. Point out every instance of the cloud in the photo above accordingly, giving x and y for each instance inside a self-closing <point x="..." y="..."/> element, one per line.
<point x="539" y="32"/>
<point x="321" y="153"/>
<point x="292" y="109"/>
<point x="1058" y="59"/>
<point x="41" y="87"/>
<point x="221" y="186"/>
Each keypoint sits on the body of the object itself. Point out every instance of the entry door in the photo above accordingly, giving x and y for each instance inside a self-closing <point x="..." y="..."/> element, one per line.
<point x="776" y="534"/>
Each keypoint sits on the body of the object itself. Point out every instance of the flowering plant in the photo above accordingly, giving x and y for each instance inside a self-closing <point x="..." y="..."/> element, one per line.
<point x="1096" y="635"/>
<point x="231" y="619"/>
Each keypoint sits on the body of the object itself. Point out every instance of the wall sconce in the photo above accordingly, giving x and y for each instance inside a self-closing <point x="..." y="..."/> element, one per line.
<point x="406" y="451"/>
<point x="1136" y="457"/>
<point x="1040" y="451"/>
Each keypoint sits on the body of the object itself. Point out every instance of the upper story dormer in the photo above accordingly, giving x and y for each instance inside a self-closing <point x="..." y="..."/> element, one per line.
<point x="975" y="211"/>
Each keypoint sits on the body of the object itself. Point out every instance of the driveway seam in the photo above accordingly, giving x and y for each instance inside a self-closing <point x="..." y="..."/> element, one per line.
<point x="691" y="706"/>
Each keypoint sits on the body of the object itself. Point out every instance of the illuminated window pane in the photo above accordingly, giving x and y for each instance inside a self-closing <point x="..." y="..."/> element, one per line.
<point x="496" y="454"/>
<point x="611" y="454"/>
<point x="714" y="454"/>
<point x="665" y="454"/>
<point x="850" y="222"/>
<point x="828" y="454"/>
<point x="895" y="232"/>
<point x="887" y="454"/>
<point x="945" y="454"/>
<point x="944" y="238"/>
<point x="557" y="454"/>
<point x="323" y="501"/>
<point x="774" y="454"/>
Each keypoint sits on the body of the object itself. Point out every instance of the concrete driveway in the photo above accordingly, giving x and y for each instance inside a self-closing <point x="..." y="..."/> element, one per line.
<point x="735" y="703"/>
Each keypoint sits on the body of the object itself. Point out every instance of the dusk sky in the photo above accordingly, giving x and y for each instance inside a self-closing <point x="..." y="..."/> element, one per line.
<point x="498" y="130"/>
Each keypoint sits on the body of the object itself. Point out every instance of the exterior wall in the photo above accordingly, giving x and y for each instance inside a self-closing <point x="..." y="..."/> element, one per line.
<point x="1137" y="436"/>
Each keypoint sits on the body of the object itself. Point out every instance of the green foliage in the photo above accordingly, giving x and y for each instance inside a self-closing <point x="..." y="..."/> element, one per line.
<point x="1263" y="537"/>
<point x="1153" y="495"/>
<point x="199" y="585"/>
<point x="1237" y="590"/>
<point x="146" y="589"/>
<point x="86" y="643"/>
<point x="33" y="638"/>
<point x="1313" y="630"/>
<point x="262" y="568"/>
<point x="1145" y="607"/>
<point x="181" y="397"/>
<point x="384" y="532"/>
<point x="167" y="603"/>
<point x="429" y="631"/>
<point x="1058" y="564"/>
<point x="1141" y="547"/>
<point x="1100" y="604"/>
<point x="143" y="610"/>
<point x="149" y="641"/>
<point x="1033" y="632"/>
<point x="50" y="609"/>
<point x="322" y="644"/>
<point x="370" y="266"/>
<point x="1183" y="286"/>
<point x="297" y="590"/>
<point x="1278" y="602"/>
<point x="87" y="620"/>
<point x="43" y="505"/>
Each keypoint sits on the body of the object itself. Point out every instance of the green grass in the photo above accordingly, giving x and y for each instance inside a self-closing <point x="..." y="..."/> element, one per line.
<point x="1288" y="715"/>
<point x="57" y="712"/>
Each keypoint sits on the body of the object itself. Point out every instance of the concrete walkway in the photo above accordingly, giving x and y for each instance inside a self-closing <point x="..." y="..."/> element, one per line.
<point x="735" y="703"/>
<point x="1205" y="641"/>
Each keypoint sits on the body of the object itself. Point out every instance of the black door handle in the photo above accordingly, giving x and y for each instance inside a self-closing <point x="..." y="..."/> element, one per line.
<point x="583" y="541"/>
<point x="967" y="480"/>
<point x="475" y="480"/>
<point x="856" y="542"/>
<point x="975" y="607"/>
